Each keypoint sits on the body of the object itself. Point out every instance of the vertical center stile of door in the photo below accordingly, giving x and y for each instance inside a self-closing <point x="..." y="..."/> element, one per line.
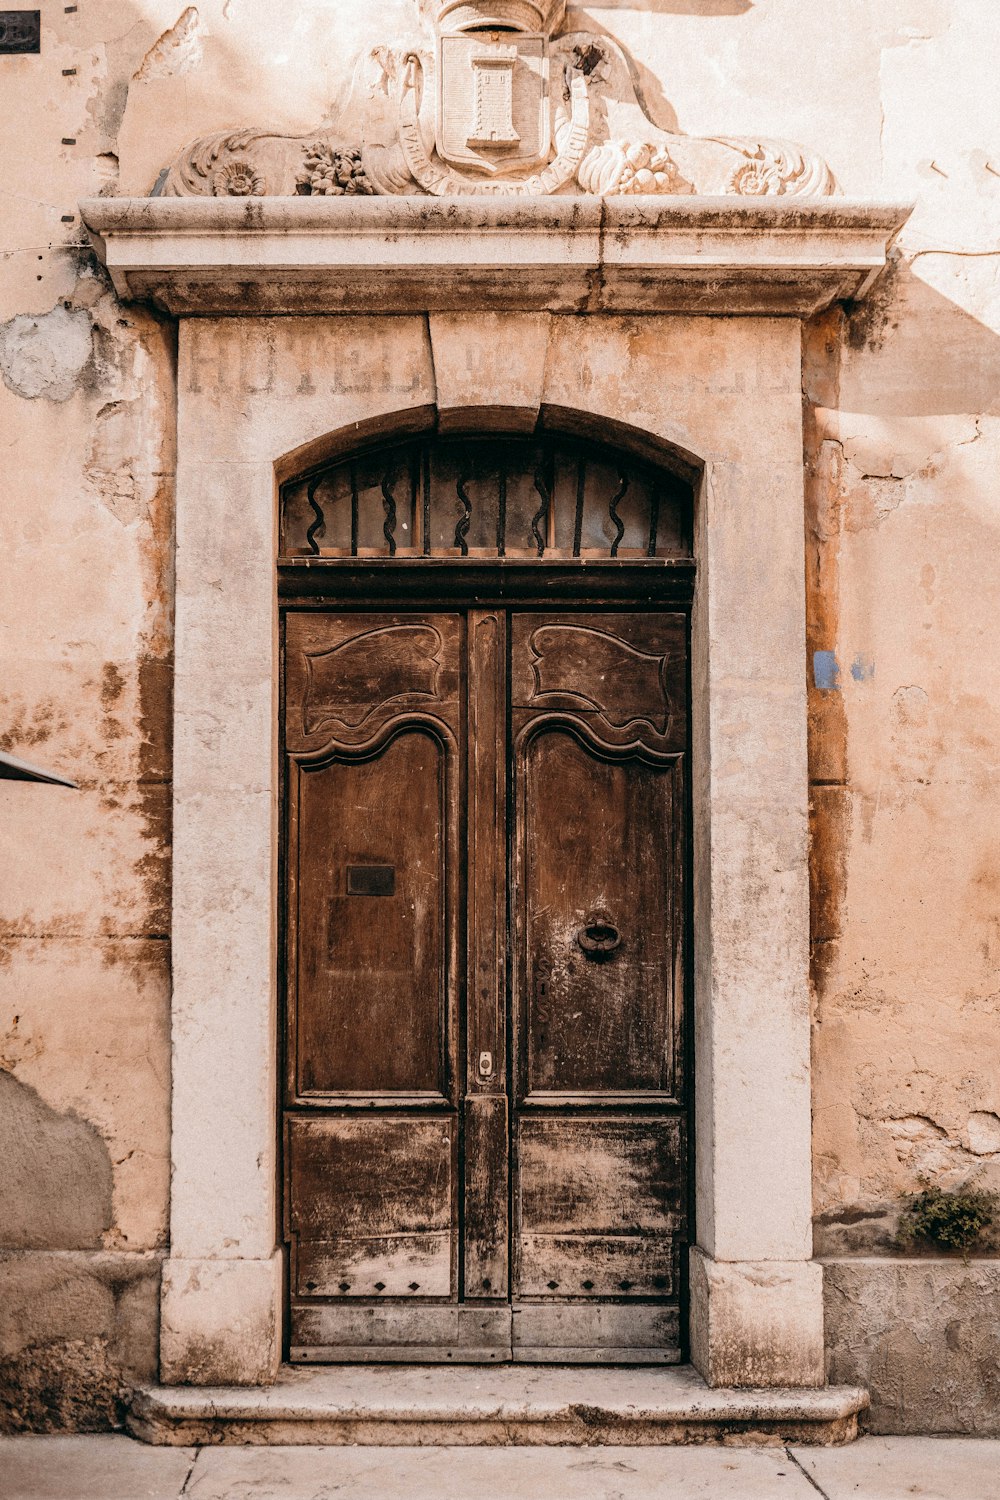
<point x="426" y="523"/>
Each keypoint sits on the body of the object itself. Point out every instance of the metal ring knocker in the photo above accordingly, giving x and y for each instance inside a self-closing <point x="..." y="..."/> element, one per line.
<point x="599" y="938"/>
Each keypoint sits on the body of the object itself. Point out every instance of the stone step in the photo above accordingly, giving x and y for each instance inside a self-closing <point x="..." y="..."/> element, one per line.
<point x="476" y="1405"/>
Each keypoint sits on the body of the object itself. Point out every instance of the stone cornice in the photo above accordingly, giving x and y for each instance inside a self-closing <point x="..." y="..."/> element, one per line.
<point x="240" y="256"/>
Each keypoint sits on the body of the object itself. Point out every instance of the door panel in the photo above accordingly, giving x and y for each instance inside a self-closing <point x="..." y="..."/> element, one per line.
<point x="599" y="734"/>
<point x="598" y="887"/>
<point x="596" y="1333"/>
<point x="372" y="953"/>
<point x="373" y="719"/>
<point x="485" y="1159"/>
<point x="600" y="1203"/>
<point x="619" y="678"/>
<point x="386" y="1333"/>
<point x="371" y="1206"/>
<point x="346" y="676"/>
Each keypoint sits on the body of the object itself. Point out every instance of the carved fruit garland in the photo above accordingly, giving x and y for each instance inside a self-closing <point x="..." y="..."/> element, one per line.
<point x="621" y="167"/>
<point x="328" y="171"/>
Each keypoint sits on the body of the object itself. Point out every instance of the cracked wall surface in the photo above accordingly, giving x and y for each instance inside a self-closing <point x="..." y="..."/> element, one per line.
<point x="903" y="416"/>
<point x="902" y="406"/>
<point x="86" y="417"/>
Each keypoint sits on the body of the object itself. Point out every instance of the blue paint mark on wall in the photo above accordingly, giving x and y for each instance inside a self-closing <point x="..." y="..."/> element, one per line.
<point x="826" y="671"/>
<point x="862" y="669"/>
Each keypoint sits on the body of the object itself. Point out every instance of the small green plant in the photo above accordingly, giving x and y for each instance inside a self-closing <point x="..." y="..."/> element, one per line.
<point x="955" y="1219"/>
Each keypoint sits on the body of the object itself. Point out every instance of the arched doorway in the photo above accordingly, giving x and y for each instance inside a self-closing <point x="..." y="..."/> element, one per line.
<point x="485" y="712"/>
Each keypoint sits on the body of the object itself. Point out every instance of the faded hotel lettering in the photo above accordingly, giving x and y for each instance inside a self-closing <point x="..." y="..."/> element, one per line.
<point x="246" y="362"/>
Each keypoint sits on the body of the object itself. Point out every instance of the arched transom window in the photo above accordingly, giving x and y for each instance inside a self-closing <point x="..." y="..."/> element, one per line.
<point x="523" y="498"/>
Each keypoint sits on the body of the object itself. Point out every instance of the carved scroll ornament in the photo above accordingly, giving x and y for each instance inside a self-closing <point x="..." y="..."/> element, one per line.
<point x="496" y="103"/>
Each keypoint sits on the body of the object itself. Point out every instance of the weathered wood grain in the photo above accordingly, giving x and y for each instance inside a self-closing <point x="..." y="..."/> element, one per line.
<point x="486" y="798"/>
<point x="422" y="747"/>
<point x="371" y="1205"/>
<point x="596" y="1334"/>
<point x="622" y="674"/>
<point x="597" y="1265"/>
<point x="486" y="1196"/>
<point x="372" y="969"/>
<point x="347" y="675"/>
<point x="593" y="1323"/>
<point x="400" y="1333"/>
<point x="600" y="1175"/>
<point x="598" y="843"/>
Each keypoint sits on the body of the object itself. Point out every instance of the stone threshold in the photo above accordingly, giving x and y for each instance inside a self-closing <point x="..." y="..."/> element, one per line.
<point x="487" y="1406"/>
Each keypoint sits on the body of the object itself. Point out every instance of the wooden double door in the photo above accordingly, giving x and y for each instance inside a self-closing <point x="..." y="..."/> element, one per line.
<point x="484" y="1117"/>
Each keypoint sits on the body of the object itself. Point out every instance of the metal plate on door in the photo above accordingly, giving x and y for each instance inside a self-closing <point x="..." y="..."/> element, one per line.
<point x="371" y="880"/>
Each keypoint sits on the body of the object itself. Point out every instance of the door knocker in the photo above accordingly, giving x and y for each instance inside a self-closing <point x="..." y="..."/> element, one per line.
<point x="599" y="938"/>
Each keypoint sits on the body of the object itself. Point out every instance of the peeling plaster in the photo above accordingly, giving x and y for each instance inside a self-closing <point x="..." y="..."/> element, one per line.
<point x="910" y="707"/>
<point x="46" y="355"/>
<point x="115" y="472"/>
<point x="983" y="1133"/>
<point x="931" y="1153"/>
<point x="56" y="1183"/>
<point x="177" y="51"/>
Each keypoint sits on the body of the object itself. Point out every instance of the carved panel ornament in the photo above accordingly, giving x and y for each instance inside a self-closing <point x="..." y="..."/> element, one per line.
<point x="353" y="680"/>
<point x="493" y="97"/>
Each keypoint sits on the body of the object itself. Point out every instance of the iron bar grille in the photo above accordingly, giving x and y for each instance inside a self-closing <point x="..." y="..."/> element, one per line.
<point x="487" y="497"/>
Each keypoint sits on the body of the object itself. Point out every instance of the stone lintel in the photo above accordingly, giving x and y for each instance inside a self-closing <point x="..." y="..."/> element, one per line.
<point x="228" y="256"/>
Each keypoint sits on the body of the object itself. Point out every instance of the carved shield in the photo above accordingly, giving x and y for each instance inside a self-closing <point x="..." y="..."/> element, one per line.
<point x="493" y="108"/>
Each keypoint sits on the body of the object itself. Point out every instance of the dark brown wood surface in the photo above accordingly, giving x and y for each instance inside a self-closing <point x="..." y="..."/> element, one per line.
<point x="486" y="1215"/>
<point x="507" y="786"/>
<point x="374" y="966"/>
<point x="487" y="1134"/>
<point x="598" y="849"/>
<point x="371" y="1205"/>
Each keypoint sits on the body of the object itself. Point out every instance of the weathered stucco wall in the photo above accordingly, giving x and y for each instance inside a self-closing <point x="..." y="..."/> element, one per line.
<point x="902" y="403"/>
<point x="903" y="399"/>
<point x="85" y="617"/>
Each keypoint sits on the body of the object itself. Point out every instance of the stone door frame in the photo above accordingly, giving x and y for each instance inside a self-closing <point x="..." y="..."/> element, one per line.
<point x="673" y="325"/>
<point x="756" y="1306"/>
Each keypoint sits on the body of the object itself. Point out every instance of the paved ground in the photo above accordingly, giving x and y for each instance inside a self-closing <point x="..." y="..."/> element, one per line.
<point x="116" y="1468"/>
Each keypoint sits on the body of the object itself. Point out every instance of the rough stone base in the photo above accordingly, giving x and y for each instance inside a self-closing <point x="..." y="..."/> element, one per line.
<point x="220" y="1321"/>
<point x="923" y="1336"/>
<point x="77" y="1330"/>
<point x="756" y="1323"/>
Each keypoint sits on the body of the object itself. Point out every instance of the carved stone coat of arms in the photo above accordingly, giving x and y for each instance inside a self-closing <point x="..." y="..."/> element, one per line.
<point x="492" y="100"/>
<point x="493" y="97"/>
